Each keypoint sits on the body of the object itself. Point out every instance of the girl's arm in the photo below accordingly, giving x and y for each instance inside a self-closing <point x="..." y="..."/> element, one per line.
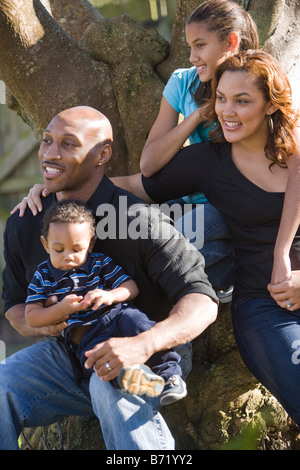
<point x="290" y="219"/>
<point x="166" y="138"/>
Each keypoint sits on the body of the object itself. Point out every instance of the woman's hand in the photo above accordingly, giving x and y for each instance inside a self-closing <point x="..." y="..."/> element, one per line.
<point x="33" y="200"/>
<point x="287" y="293"/>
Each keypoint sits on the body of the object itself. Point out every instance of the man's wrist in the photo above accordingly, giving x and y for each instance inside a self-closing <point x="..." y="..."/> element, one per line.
<point x="148" y="343"/>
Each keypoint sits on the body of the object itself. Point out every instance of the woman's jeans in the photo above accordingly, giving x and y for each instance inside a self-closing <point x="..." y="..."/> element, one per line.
<point x="37" y="387"/>
<point x="268" y="338"/>
<point x="207" y="230"/>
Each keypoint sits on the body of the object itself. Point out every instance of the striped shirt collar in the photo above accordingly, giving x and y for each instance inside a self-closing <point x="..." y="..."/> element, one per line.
<point x="59" y="274"/>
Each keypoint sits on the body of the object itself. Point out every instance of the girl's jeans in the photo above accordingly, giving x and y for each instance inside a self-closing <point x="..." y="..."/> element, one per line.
<point x="37" y="387"/>
<point x="268" y="338"/>
<point x="206" y="229"/>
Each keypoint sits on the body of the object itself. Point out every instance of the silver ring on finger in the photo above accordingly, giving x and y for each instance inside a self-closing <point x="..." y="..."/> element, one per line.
<point x="288" y="303"/>
<point x="108" y="366"/>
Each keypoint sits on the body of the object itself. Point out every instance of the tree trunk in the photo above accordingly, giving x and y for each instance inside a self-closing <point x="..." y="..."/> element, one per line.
<point x="60" y="53"/>
<point x="46" y="70"/>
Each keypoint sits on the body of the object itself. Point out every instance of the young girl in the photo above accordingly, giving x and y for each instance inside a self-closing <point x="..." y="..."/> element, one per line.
<point x="244" y="175"/>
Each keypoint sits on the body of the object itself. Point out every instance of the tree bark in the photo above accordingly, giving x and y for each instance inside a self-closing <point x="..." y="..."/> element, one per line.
<point x="132" y="54"/>
<point x="46" y="70"/>
<point x="74" y="16"/>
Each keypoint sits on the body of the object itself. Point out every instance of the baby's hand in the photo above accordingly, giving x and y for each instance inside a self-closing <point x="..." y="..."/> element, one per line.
<point x="98" y="297"/>
<point x="72" y="303"/>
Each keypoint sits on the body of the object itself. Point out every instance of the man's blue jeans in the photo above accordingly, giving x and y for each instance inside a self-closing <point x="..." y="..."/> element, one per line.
<point x="37" y="387"/>
<point x="268" y="338"/>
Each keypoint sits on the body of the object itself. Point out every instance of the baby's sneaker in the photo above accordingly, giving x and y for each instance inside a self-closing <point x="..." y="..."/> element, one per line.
<point x="174" y="390"/>
<point x="140" y="380"/>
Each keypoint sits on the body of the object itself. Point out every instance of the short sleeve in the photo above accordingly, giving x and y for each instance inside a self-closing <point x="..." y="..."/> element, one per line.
<point x="172" y="92"/>
<point x="36" y="291"/>
<point x="177" y="91"/>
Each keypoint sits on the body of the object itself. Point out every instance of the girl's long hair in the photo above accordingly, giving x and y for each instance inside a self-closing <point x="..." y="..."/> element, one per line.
<point x="223" y="17"/>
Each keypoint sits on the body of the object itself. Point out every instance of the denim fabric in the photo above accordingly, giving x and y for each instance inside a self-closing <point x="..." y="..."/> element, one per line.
<point x="207" y="230"/>
<point x="125" y="320"/>
<point x="268" y="338"/>
<point x="37" y="387"/>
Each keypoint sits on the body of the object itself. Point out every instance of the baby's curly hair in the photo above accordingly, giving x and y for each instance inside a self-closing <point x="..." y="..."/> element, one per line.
<point x="64" y="212"/>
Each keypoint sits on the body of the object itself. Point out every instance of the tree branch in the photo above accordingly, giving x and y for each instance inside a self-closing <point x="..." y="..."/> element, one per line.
<point x="47" y="71"/>
<point x="179" y="51"/>
<point x="74" y="16"/>
<point x="133" y="54"/>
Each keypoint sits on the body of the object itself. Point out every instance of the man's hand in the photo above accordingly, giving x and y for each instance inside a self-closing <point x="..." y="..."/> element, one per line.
<point x="16" y="317"/>
<point x="53" y="330"/>
<point x="117" y="353"/>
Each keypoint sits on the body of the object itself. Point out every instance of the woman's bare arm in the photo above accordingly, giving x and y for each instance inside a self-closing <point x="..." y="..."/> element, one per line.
<point x="290" y="219"/>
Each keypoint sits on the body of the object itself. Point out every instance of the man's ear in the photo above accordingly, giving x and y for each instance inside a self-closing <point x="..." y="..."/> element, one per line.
<point x="45" y="243"/>
<point x="104" y="154"/>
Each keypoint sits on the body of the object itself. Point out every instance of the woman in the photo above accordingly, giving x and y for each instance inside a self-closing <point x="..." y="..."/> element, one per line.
<point x="245" y="179"/>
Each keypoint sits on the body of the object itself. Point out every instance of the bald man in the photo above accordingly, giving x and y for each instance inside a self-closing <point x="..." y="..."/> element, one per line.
<point x="43" y="383"/>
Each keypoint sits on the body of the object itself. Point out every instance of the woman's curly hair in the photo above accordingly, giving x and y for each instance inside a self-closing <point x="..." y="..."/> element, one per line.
<point x="276" y="88"/>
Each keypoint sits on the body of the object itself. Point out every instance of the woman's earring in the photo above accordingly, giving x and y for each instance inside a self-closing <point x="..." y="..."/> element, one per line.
<point x="271" y="124"/>
<point x="99" y="164"/>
